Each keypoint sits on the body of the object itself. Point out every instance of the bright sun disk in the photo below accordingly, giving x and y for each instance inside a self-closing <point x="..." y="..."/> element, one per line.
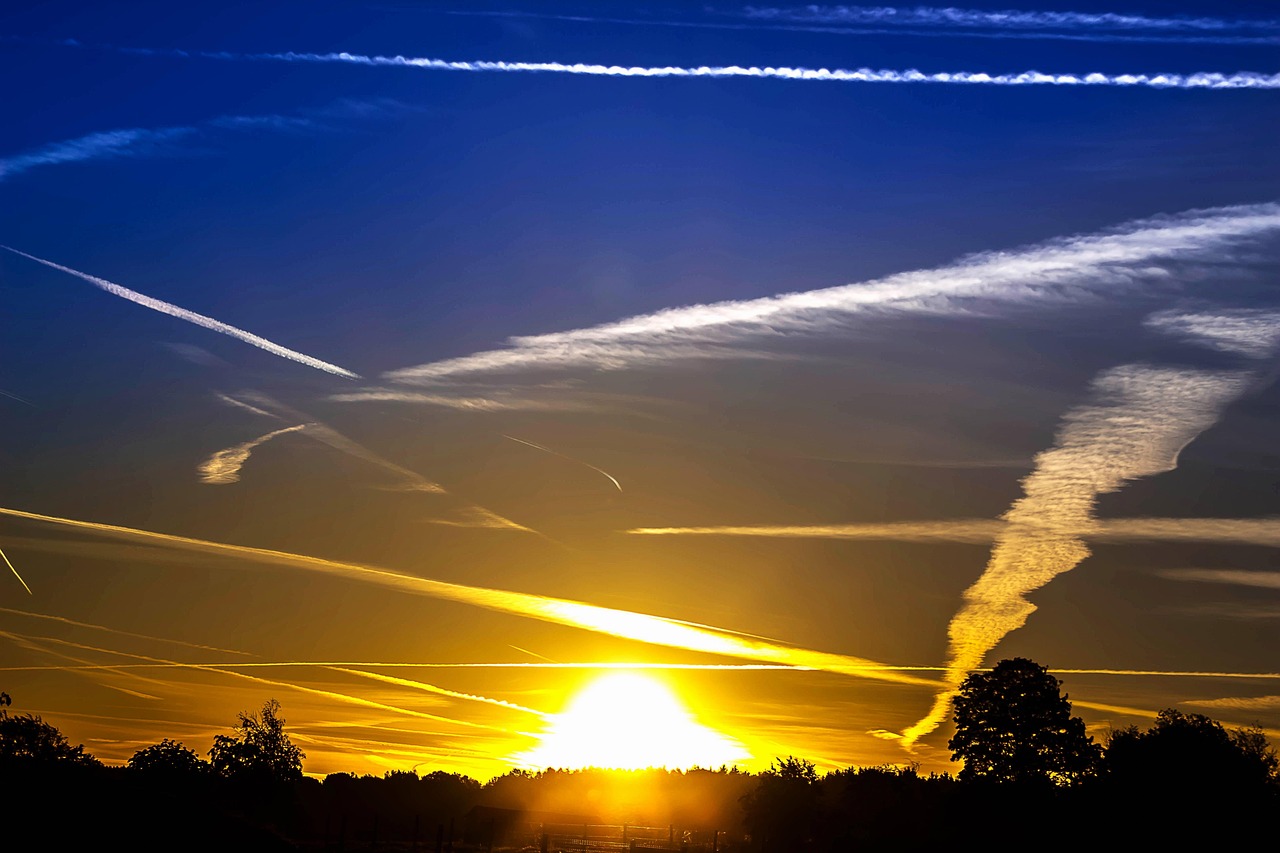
<point x="627" y="721"/>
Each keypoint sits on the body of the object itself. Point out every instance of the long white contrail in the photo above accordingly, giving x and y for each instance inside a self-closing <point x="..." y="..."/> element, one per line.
<point x="1090" y="264"/>
<point x="1198" y="80"/>
<point x="926" y="16"/>
<point x="192" y="317"/>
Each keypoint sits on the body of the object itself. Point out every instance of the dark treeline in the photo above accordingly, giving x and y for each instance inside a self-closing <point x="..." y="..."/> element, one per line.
<point x="1031" y="779"/>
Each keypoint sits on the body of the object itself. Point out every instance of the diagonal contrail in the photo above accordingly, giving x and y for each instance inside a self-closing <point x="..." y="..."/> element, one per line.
<point x="192" y="317"/>
<point x="1096" y="263"/>
<point x="600" y="471"/>
<point x="625" y="624"/>
<point x="5" y="557"/>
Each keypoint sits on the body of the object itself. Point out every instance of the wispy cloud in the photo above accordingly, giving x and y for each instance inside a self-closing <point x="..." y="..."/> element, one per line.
<point x="1102" y="263"/>
<point x="104" y="145"/>
<point x="136" y="142"/>
<point x="1140" y="419"/>
<point x="810" y="19"/>
<point x="1232" y="577"/>
<point x="1253" y="333"/>
<point x="926" y="16"/>
<point x="62" y="620"/>
<point x="224" y="466"/>
<point x="624" y="624"/>
<point x="192" y="317"/>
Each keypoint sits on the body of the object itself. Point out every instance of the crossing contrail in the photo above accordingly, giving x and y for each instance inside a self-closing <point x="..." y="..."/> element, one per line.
<point x="192" y="317"/>
<point x="624" y="624"/>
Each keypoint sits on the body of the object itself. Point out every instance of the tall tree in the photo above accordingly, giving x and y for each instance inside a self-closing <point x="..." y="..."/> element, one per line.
<point x="1013" y="724"/>
<point x="259" y="749"/>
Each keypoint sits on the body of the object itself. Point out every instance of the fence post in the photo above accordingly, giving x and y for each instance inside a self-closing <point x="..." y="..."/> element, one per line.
<point x="416" y="819"/>
<point x="439" y="838"/>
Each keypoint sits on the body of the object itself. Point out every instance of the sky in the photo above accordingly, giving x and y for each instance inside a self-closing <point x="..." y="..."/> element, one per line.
<point x="476" y="378"/>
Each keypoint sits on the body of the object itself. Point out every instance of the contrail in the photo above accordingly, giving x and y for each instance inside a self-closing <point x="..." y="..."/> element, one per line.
<point x="1140" y="419"/>
<point x="192" y="317"/>
<point x="623" y="665"/>
<point x="33" y="645"/>
<point x="599" y="471"/>
<point x="5" y="557"/>
<point x="75" y="624"/>
<point x="4" y="393"/>
<point x="834" y="26"/>
<point x="232" y="401"/>
<point x="440" y="691"/>
<point x="107" y="144"/>
<point x="224" y="466"/>
<point x="980" y="531"/>
<point x="1097" y="263"/>
<point x="625" y="624"/>
<point x="620" y="665"/>
<point x="1198" y="80"/>
<point x="1007" y="19"/>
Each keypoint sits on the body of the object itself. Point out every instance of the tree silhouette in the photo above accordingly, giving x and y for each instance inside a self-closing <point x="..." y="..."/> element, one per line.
<point x="1014" y="725"/>
<point x="259" y="749"/>
<point x="29" y="741"/>
<point x="781" y="812"/>
<point x="169" y="762"/>
<point x="1190" y="752"/>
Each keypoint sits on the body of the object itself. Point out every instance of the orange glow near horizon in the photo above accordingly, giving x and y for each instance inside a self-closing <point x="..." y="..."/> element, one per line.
<point x="630" y="721"/>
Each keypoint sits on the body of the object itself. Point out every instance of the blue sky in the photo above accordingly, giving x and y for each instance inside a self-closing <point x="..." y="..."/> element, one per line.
<point x="1042" y="273"/>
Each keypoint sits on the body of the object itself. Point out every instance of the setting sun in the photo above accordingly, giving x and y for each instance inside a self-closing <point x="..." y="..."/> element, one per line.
<point x="627" y="721"/>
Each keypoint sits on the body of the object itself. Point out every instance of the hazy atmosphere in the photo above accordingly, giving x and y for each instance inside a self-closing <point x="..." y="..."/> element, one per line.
<point x="555" y="384"/>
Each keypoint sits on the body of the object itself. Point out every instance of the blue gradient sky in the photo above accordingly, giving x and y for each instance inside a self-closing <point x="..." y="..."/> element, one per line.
<point x="379" y="218"/>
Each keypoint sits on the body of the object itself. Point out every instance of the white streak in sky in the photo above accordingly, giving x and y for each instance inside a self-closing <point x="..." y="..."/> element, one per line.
<point x="192" y="317"/>
<point x="1097" y="263"/>
<point x="1234" y="577"/>
<point x="1263" y="532"/>
<point x="5" y="557"/>
<point x="1244" y="332"/>
<point x="130" y="142"/>
<point x="224" y="466"/>
<point x="624" y="624"/>
<point x="241" y="404"/>
<point x="75" y="624"/>
<point x="599" y="471"/>
<point x="1141" y="418"/>
<point x="834" y="27"/>
<point x="925" y="16"/>
<point x="1198" y="80"/>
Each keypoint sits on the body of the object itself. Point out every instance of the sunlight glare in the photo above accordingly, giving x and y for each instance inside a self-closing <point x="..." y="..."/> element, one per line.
<point x="628" y="721"/>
